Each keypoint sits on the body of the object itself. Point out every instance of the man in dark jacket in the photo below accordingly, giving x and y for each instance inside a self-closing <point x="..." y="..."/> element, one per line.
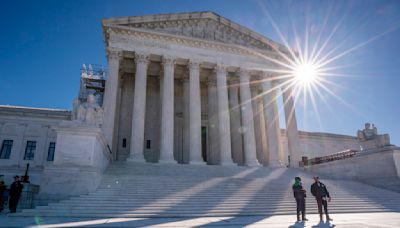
<point x="2" y="189"/>
<point x="15" y="193"/>
<point x="322" y="196"/>
<point x="299" y="194"/>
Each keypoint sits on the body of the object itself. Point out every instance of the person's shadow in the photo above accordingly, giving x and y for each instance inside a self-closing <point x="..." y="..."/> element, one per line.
<point x="323" y="225"/>
<point x="299" y="224"/>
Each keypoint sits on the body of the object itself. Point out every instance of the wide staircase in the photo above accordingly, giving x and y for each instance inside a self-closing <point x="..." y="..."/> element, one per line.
<point x="130" y="189"/>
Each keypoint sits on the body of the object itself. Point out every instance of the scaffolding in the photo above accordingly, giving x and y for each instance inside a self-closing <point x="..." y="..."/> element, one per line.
<point x="93" y="81"/>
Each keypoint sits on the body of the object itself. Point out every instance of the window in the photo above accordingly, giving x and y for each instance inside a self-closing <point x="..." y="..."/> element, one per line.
<point x="124" y="143"/>
<point x="148" y="144"/>
<point x="50" y="153"/>
<point x="6" y="149"/>
<point x="30" y="150"/>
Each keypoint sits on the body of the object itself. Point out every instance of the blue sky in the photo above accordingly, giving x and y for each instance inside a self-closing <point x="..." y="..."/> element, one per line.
<point x="44" y="43"/>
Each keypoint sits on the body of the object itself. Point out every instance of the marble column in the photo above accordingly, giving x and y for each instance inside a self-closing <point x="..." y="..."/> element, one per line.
<point x="223" y="116"/>
<point x="236" y="131"/>
<point x="213" y="134"/>
<point x="110" y="95"/>
<point x="195" y="113"/>
<point x="292" y="133"/>
<point x="139" y="108"/>
<point x="259" y="127"/>
<point x="271" y="117"/>
<point x="249" y="141"/>
<point x="186" y="119"/>
<point x="167" y="111"/>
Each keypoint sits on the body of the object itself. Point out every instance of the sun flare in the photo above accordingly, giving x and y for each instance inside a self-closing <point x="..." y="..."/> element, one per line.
<point x="306" y="73"/>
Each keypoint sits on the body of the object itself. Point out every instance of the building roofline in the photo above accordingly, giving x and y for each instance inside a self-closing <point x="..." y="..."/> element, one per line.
<point x="34" y="112"/>
<point x="190" y="15"/>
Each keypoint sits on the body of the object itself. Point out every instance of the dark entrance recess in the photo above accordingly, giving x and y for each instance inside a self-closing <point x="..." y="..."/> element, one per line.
<point x="204" y="143"/>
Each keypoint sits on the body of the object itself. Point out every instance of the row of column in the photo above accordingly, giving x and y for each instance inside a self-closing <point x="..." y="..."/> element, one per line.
<point x="218" y="101"/>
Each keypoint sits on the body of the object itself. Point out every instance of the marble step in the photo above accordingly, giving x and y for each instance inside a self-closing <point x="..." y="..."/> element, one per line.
<point x="217" y="196"/>
<point x="111" y="210"/>
<point x="114" y="209"/>
<point x="185" y="214"/>
<point x="199" y="205"/>
<point x="216" y="200"/>
<point x="227" y="194"/>
<point x="165" y="190"/>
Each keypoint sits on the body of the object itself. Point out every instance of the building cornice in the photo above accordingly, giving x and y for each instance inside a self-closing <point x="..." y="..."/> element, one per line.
<point x="8" y="110"/>
<point x="195" y="20"/>
<point x="161" y="39"/>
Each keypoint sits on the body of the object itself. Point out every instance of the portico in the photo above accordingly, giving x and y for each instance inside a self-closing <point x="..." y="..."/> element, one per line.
<point x="166" y="85"/>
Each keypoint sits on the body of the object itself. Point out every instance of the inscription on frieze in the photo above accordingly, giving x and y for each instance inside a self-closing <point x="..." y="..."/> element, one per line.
<point x="139" y="42"/>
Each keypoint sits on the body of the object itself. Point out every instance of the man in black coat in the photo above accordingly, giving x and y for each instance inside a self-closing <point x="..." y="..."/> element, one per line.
<point x="15" y="193"/>
<point x="2" y="189"/>
<point x="322" y="196"/>
<point x="299" y="194"/>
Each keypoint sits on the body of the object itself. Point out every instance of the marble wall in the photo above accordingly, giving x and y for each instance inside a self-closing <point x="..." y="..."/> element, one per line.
<point x="21" y="124"/>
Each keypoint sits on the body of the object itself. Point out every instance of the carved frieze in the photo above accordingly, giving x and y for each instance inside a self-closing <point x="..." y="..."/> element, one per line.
<point x="206" y="29"/>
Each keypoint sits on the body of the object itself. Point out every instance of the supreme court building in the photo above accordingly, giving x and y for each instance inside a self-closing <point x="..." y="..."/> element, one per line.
<point x="189" y="88"/>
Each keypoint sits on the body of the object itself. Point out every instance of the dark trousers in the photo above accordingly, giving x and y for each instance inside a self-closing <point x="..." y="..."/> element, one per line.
<point x="320" y="203"/>
<point x="1" y="202"/>
<point x="301" y="207"/>
<point x="13" y="203"/>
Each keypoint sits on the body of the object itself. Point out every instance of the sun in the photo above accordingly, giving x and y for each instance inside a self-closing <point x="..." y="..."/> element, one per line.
<point x="306" y="73"/>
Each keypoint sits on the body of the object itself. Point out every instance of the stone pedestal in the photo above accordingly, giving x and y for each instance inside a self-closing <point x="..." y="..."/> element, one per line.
<point x="81" y="156"/>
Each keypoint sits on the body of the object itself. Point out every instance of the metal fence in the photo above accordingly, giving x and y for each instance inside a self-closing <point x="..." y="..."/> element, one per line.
<point x="334" y="157"/>
<point x="27" y="199"/>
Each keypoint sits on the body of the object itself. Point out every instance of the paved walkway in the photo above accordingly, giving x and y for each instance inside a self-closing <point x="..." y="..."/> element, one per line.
<point x="361" y="220"/>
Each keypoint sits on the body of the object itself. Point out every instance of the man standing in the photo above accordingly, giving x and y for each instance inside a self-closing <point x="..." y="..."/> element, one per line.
<point x="322" y="196"/>
<point x="299" y="194"/>
<point x="2" y="189"/>
<point x="15" y="193"/>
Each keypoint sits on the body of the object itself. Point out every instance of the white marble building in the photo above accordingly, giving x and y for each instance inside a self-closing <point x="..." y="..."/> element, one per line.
<point x="181" y="88"/>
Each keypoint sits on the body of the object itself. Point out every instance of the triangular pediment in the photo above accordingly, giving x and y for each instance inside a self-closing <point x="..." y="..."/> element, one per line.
<point x="201" y="25"/>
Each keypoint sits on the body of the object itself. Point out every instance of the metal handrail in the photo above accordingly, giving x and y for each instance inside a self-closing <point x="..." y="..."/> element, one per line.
<point x="334" y="157"/>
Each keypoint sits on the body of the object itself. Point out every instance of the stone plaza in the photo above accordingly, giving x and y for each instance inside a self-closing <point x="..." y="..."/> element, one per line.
<point x="187" y="106"/>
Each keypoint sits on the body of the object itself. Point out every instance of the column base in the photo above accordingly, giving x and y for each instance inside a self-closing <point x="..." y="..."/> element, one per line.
<point x="252" y="164"/>
<point x="136" y="159"/>
<point x="227" y="163"/>
<point x="197" y="163"/>
<point x="167" y="161"/>
<point x="276" y="164"/>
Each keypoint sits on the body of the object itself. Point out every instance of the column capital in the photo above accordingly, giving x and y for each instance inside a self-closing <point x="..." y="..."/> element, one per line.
<point x="266" y="74"/>
<point x="233" y="80"/>
<point x="244" y="74"/>
<point x="142" y="58"/>
<point x="185" y="77"/>
<point x="114" y="54"/>
<point x="194" y="64"/>
<point x="211" y="81"/>
<point x="256" y="78"/>
<point x="220" y="69"/>
<point x="168" y="60"/>
<point x="275" y="83"/>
